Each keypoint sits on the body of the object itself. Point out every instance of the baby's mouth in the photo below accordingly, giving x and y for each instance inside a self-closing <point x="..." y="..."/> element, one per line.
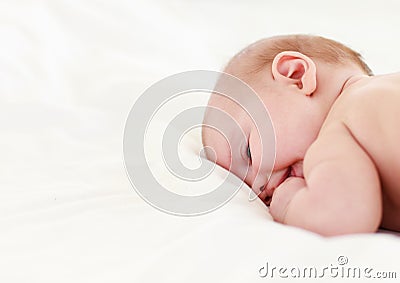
<point x="267" y="192"/>
<point x="293" y="171"/>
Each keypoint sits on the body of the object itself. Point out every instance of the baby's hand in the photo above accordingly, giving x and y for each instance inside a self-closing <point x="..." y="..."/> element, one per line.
<point x="283" y="195"/>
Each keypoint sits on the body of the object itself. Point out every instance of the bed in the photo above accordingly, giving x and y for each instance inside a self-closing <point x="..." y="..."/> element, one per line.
<point x="70" y="71"/>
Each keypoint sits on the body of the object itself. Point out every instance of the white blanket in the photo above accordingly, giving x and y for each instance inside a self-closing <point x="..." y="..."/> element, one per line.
<point x="69" y="73"/>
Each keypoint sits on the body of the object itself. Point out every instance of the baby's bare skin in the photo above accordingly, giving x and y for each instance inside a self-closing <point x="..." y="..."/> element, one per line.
<point x="352" y="169"/>
<point x="370" y="113"/>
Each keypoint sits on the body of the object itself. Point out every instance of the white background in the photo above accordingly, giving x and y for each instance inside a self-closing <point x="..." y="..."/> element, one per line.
<point x="70" y="72"/>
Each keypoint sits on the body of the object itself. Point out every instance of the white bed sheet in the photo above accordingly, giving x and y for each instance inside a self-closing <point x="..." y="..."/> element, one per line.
<point x="70" y="72"/>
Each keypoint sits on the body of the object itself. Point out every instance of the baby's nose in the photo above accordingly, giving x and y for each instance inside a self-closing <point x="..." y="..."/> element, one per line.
<point x="266" y="195"/>
<point x="259" y="186"/>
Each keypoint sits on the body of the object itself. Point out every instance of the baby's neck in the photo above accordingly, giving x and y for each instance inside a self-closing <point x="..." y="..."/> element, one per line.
<point x="334" y="79"/>
<point x="351" y="80"/>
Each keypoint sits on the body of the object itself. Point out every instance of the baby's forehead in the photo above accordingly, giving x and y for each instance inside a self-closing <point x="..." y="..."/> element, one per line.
<point x="224" y="102"/>
<point x="222" y="110"/>
<point x="223" y="116"/>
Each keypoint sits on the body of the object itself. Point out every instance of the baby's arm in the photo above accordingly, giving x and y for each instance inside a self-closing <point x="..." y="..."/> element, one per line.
<point x="341" y="192"/>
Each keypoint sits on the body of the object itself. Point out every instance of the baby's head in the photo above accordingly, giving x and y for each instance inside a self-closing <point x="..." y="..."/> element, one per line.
<point x="297" y="78"/>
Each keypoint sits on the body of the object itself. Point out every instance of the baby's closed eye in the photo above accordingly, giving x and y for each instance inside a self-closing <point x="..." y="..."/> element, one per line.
<point x="248" y="152"/>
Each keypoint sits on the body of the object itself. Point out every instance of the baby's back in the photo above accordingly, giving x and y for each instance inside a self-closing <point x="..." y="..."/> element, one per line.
<point x="370" y="109"/>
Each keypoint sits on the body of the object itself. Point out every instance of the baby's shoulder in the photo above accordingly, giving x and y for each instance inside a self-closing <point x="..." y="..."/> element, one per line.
<point x="367" y="100"/>
<point x="368" y="113"/>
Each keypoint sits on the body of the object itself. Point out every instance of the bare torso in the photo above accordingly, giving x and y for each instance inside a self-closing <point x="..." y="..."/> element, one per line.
<point x="370" y="108"/>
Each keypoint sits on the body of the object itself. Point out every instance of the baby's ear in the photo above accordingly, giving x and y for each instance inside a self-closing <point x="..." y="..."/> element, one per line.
<point x="295" y="68"/>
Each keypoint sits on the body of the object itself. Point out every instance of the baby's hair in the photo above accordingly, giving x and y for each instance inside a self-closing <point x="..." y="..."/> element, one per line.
<point x="327" y="50"/>
<point x="260" y="54"/>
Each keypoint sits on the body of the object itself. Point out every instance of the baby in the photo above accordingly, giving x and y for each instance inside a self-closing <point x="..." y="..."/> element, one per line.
<point x="337" y="167"/>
